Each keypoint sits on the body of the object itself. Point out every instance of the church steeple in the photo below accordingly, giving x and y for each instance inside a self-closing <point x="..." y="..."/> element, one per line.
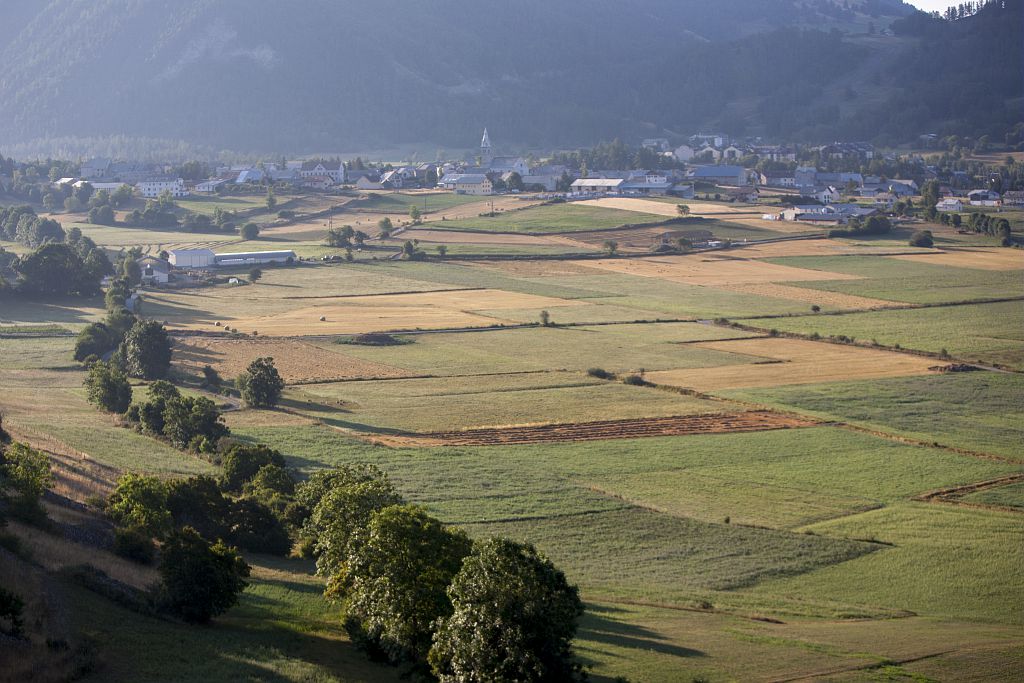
<point x="485" y="149"/>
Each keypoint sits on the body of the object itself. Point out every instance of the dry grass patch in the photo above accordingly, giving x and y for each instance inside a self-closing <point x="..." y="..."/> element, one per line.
<point x="826" y="247"/>
<point x="981" y="258"/>
<point x="826" y="299"/>
<point x="793" y="361"/>
<point x="296" y="361"/>
<point x="56" y="552"/>
<point x="707" y="270"/>
<point x="387" y="312"/>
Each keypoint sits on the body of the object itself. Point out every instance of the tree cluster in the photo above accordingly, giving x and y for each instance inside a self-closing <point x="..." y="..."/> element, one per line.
<point x="423" y="595"/>
<point x="994" y="226"/>
<point x="186" y="422"/>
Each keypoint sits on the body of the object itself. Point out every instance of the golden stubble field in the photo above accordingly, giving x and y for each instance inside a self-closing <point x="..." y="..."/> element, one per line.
<point x="785" y="361"/>
<point x="383" y="313"/>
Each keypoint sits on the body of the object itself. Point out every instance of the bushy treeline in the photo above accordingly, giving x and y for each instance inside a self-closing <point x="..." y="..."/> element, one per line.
<point x="62" y="264"/>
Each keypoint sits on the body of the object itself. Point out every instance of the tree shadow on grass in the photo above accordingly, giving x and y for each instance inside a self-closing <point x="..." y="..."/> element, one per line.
<point x="596" y="627"/>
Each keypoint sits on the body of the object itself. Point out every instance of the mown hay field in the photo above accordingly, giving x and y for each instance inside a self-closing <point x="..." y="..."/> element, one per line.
<point x="295" y="360"/>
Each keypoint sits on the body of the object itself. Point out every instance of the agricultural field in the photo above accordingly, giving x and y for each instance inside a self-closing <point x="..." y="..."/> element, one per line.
<point x="982" y="333"/>
<point x="733" y="502"/>
<point x="554" y="218"/>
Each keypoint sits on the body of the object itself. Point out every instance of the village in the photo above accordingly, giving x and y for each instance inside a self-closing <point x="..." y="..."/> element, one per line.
<point x="790" y="183"/>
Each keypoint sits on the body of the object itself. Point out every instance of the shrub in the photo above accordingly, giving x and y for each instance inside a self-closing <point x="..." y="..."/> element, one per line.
<point x="922" y="238"/>
<point x="635" y="381"/>
<point x="200" y="580"/>
<point x="11" y="607"/>
<point x="600" y="373"/>
<point x="134" y="545"/>
<point x="193" y="423"/>
<point x="146" y="350"/>
<point x="261" y="384"/>
<point x="107" y="387"/>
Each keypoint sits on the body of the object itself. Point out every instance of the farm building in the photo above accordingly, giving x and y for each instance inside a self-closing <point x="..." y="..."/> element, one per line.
<point x="585" y="186"/>
<point x="722" y="175"/>
<point x="683" y="190"/>
<point x="473" y="184"/>
<point x="154" y="270"/>
<point x="1013" y="198"/>
<point x="983" y="198"/>
<point x="950" y="204"/>
<point x="835" y="214"/>
<point x="254" y="258"/>
<point x="191" y="258"/>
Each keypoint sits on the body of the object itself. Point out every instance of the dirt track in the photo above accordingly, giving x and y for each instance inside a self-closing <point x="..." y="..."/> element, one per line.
<point x="719" y="423"/>
<point x="954" y="495"/>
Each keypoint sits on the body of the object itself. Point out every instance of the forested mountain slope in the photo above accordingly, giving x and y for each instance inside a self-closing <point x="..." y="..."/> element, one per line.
<point x="338" y="74"/>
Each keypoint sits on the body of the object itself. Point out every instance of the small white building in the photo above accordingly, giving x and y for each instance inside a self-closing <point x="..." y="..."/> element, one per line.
<point x="151" y="189"/>
<point x="585" y="186"/>
<point x="950" y="204"/>
<point x="983" y="198"/>
<point x="154" y="270"/>
<point x="191" y="258"/>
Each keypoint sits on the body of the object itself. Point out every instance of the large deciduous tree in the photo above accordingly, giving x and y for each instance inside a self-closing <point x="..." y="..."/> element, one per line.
<point x="397" y="577"/>
<point x="514" y="617"/>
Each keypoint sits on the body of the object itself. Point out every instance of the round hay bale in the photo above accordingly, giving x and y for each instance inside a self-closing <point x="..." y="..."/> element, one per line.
<point x="323" y="318"/>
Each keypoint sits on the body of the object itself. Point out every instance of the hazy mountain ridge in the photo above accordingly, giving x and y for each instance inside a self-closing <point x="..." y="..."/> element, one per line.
<point x="258" y="74"/>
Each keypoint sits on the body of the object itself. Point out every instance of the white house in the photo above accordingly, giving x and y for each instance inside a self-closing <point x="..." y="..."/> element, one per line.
<point x="950" y="204"/>
<point x="585" y="186"/>
<point x="155" y="187"/>
<point x="828" y="195"/>
<point x="509" y="165"/>
<point x="190" y="258"/>
<point x="335" y="170"/>
<point x="684" y="153"/>
<point x="154" y="270"/>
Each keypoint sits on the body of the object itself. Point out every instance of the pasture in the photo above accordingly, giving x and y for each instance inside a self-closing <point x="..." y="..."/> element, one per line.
<point x="982" y="333"/>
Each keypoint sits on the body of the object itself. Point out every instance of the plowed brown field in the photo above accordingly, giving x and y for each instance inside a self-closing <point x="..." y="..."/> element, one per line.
<point x="753" y="421"/>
